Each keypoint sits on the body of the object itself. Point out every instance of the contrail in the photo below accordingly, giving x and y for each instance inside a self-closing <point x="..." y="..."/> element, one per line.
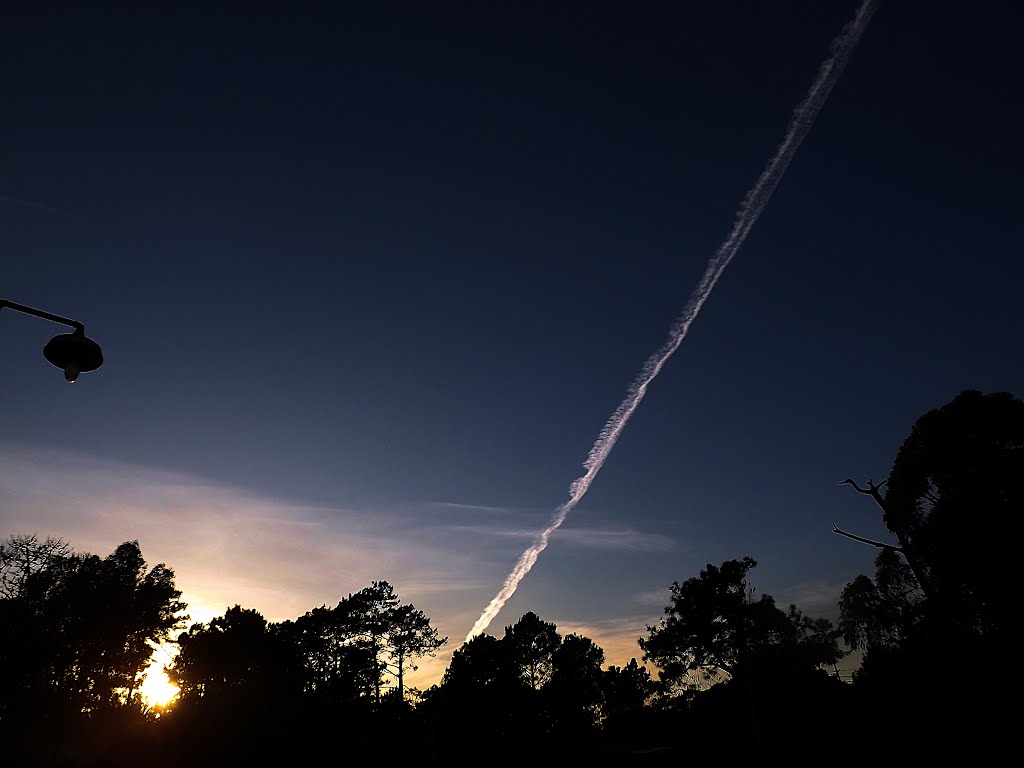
<point x="747" y="214"/>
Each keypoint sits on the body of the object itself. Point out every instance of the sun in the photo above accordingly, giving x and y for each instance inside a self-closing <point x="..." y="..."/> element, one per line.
<point x="157" y="690"/>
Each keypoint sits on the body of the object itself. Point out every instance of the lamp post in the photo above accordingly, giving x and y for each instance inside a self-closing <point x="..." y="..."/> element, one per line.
<point x="75" y="353"/>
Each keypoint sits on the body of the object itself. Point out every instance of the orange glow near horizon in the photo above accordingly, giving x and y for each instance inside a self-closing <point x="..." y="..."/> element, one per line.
<point x="157" y="690"/>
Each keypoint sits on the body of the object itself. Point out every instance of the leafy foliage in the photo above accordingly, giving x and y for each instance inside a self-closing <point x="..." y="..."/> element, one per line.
<point x="23" y="555"/>
<point x="575" y="689"/>
<point x="715" y="628"/>
<point x="625" y="691"/>
<point x="531" y="643"/>
<point x="954" y="502"/>
<point x="78" y="630"/>
<point x="237" y="654"/>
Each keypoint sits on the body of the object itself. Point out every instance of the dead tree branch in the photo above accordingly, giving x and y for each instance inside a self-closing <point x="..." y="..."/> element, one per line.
<point x="874" y="491"/>
<point x="872" y="542"/>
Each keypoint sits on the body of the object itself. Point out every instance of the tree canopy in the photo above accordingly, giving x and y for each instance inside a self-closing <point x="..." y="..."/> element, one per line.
<point x="715" y="626"/>
<point x="954" y="501"/>
<point x="78" y="630"/>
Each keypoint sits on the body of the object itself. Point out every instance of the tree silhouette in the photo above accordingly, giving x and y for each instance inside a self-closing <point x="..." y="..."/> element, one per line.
<point x="479" y="700"/>
<point x="409" y="636"/>
<point x="532" y="691"/>
<point x="371" y="610"/>
<point x="532" y="643"/>
<point x="482" y="662"/>
<point x="954" y="502"/>
<point x="574" y="690"/>
<point x="946" y="590"/>
<point x="885" y="612"/>
<point x="28" y="568"/>
<point x="716" y="631"/>
<point x="339" y="663"/>
<point x="23" y="555"/>
<point x="76" y="635"/>
<point x="714" y="625"/>
<point x="236" y="655"/>
<point x="397" y="634"/>
<point x="625" y="692"/>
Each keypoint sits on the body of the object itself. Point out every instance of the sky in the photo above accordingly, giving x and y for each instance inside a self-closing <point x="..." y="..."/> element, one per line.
<point x="369" y="279"/>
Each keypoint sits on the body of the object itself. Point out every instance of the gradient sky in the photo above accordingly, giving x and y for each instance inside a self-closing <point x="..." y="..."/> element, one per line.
<point x="370" y="279"/>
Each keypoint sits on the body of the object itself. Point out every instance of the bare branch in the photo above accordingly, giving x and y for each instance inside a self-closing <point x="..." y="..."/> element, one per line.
<point x="872" y="542"/>
<point x="857" y="488"/>
<point x="873" y="490"/>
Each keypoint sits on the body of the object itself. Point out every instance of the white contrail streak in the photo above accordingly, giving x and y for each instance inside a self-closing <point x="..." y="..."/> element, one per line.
<point x="747" y="214"/>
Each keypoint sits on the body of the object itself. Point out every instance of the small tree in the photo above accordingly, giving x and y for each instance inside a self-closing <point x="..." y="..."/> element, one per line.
<point x="396" y="634"/>
<point x="574" y="690"/>
<point x="370" y="612"/>
<point x="625" y="691"/>
<point x="532" y="644"/>
<point x="482" y="662"/>
<point x="409" y="636"/>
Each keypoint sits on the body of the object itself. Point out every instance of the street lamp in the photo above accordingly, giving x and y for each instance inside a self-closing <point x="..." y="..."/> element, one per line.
<point x="75" y="353"/>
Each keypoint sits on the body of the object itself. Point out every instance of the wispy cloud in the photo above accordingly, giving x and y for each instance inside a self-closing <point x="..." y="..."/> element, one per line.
<point x="284" y="557"/>
<point x="625" y="538"/>
<point x="618" y="637"/>
<point x="229" y="545"/>
<point x="820" y="599"/>
<point x="10" y="200"/>
<point x="471" y="507"/>
<point x="653" y="597"/>
<point x="591" y="538"/>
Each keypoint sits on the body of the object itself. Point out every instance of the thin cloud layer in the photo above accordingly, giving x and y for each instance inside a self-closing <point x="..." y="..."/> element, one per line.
<point x="618" y="637"/>
<point x="820" y="599"/>
<point x="591" y="538"/>
<point x="229" y="545"/>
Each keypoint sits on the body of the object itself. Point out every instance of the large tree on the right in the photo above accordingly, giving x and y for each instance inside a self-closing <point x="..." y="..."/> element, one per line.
<point x="953" y="501"/>
<point x="937" y="622"/>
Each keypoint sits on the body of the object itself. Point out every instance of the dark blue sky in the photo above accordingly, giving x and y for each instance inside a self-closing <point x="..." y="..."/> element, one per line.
<point x="392" y="257"/>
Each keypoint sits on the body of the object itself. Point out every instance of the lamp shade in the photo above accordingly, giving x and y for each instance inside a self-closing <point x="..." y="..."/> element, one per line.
<point x="74" y="353"/>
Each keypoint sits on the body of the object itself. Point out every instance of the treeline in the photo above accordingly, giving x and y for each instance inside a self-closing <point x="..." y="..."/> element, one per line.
<point x="735" y="677"/>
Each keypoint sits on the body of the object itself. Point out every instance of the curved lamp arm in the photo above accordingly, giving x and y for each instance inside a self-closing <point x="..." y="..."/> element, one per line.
<point x="5" y="304"/>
